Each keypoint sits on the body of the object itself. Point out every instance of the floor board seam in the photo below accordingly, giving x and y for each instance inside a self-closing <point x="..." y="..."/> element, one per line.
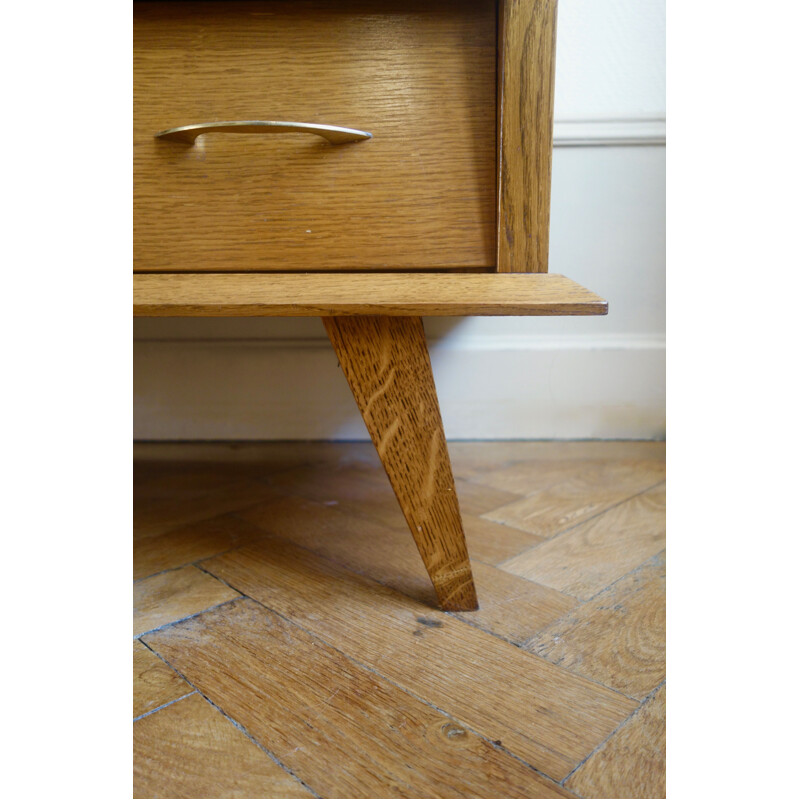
<point x="183" y="619"/>
<point x="162" y="572"/>
<point x="362" y="574"/>
<point x="567" y="530"/>
<point x="580" y="605"/>
<point x="234" y="722"/>
<point x="452" y="614"/>
<point x="492" y="742"/>
<point x="162" y="545"/>
<point x="165" y="705"/>
<point x="619" y="727"/>
<point x="365" y="516"/>
<point x="203" y="558"/>
<point x="639" y="568"/>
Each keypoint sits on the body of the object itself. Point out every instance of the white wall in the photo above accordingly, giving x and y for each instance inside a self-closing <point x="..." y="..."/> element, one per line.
<point x="515" y="378"/>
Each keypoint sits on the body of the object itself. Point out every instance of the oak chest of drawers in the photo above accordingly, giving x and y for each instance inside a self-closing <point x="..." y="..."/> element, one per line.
<point x="367" y="162"/>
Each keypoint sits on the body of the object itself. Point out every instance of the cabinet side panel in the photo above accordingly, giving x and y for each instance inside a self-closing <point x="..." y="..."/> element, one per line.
<point x="526" y="72"/>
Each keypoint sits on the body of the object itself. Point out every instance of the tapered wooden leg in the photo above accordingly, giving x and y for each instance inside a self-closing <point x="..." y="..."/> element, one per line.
<point x="385" y="360"/>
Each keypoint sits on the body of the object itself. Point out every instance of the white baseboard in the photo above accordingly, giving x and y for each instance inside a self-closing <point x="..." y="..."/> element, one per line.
<point x="574" y="388"/>
<point x="609" y="132"/>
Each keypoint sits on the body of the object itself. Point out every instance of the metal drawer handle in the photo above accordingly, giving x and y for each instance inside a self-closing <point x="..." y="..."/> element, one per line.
<point x="335" y="135"/>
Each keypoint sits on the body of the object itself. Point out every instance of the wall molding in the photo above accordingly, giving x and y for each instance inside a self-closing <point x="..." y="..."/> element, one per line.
<point x="609" y="132"/>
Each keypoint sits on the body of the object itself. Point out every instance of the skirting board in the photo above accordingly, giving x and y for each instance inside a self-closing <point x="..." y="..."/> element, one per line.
<point x="261" y="390"/>
<point x="609" y="132"/>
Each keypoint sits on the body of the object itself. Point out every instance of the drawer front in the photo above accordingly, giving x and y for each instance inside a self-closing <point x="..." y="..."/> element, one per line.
<point x="419" y="76"/>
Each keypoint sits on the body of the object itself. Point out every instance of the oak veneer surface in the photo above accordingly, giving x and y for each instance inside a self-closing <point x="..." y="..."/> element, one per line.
<point x="386" y="363"/>
<point x="354" y="294"/>
<point x="420" y="76"/>
<point x="526" y="80"/>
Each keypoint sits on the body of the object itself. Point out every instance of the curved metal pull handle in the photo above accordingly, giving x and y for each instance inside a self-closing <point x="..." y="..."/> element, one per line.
<point x="335" y="135"/>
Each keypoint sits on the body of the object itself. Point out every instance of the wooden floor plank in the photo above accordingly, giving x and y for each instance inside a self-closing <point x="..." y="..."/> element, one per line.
<point x="511" y="607"/>
<point x="477" y="498"/>
<point x="154" y="683"/>
<point x="189" y="749"/>
<point x="586" y="606"/>
<point x="173" y="595"/>
<point x="362" y="545"/>
<point x="569" y="494"/>
<point x="499" y="464"/>
<point x="586" y="559"/>
<point x="632" y="762"/>
<point x="618" y="637"/>
<point x="187" y="497"/>
<point x="516" y="608"/>
<point x="264" y="457"/>
<point x="153" y="475"/>
<point x="545" y="715"/>
<point x="342" y="729"/>
<point x="493" y="543"/>
<point x="361" y="491"/>
<point x="194" y="465"/>
<point x="185" y="544"/>
<point x="370" y="489"/>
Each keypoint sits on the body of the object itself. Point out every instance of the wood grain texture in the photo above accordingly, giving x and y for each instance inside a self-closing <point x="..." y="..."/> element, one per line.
<point x="153" y="460"/>
<point x="367" y="494"/>
<point x="317" y="563"/>
<point x="342" y="729"/>
<point x="526" y="79"/>
<point x="419" y="76"/>
<point x="545" y="715"/>
<point x="632" y="762"/>
<point x="188" y="543"/>
<point x="387" y="555"/>
<point x="173" y="595"/>
<point x="619" y="637"/>
<point x="584" y="560"/>
<point x="353" y="294"/>
<point x="154" y="683"/>
<point x="493" y="543"/>
<point x="524" y="476"/>
<point x="183" y="496"/>
<point x="190" y="750"/>
<point x="511" y="607"/>
<point x="362" y="491"/>
<point x="386" y="363"/>
<point x="486" y="462"/>
<point x="568" y="493"/>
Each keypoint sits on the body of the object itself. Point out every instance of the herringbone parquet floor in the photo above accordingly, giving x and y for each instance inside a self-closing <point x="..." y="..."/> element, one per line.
<point x="287" y="643"/>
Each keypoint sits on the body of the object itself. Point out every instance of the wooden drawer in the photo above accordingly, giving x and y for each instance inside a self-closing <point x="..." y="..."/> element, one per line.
<point x="419" y="76"/>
